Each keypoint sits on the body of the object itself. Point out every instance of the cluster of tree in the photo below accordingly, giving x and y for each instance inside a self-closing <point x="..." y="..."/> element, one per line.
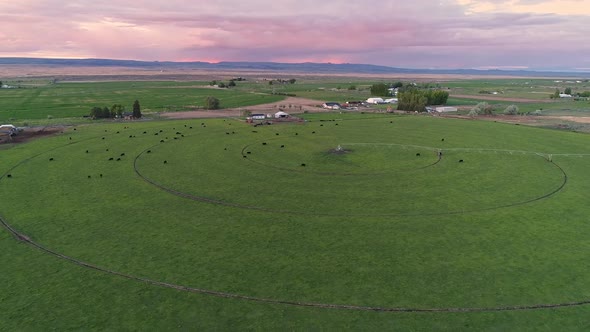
<point x="282" y="81"/>
<point x="116" y="111"/>
<point x="415" y="100"/>
<point x="380" y="90"/>
<point x="230" y="84"/>
<point x="568" y="91"/>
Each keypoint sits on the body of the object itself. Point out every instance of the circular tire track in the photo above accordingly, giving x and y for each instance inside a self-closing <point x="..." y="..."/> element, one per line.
<point x="24" y="238"/>
<point x="198" y="198"/>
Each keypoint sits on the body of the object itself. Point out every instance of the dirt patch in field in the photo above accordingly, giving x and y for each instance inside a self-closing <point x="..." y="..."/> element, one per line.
<point x="497" y="98"/>
<point x="289" y="105"/>
<point x="29" y="134"/>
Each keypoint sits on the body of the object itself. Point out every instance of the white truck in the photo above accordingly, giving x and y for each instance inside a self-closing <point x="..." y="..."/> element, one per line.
<point x="9" y="129"/>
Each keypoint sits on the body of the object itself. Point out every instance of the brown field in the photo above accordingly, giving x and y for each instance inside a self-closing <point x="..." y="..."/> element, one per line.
<point x="496" y="98"/>
<point x="88" y="74"/>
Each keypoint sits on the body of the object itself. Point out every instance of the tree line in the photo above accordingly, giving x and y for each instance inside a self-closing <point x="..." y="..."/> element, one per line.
<point x="115" y="111"/>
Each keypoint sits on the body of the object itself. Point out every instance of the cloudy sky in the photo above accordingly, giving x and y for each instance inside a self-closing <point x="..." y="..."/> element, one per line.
<point x="417" y="33"/>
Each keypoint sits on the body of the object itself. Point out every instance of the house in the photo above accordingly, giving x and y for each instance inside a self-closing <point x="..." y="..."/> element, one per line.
<point x="375" y="100"/>
<point x="281" y="115"/>
<point x="258" y="116"/>
<point x="331" y="105"/>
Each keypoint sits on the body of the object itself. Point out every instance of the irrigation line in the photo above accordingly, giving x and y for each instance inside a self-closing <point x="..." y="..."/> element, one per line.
<point x="24" y="238"/>
<point x="543" y="154"/>
<point x="306" y="213"/>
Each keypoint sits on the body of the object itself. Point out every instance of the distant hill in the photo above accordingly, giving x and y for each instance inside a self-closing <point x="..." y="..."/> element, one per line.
<point x="307" y="67"/>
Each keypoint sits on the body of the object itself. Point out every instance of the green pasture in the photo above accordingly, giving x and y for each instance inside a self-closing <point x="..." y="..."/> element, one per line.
<point x="540" y="89"/>
<point x="275" y="214"/>
<point x="66" y="100"/>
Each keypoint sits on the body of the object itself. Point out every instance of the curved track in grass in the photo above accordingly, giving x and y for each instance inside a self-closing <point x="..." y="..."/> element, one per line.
<point x="27" y="240"/>
<point x="24" y="238"/>
<point x="204" y="199"/>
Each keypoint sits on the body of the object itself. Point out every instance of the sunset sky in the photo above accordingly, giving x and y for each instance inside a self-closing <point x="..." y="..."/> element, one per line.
<point x="414" y="34"/>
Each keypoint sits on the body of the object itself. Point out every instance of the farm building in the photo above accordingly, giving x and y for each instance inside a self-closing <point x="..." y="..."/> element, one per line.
<point x="281" y="114"/>
<point x="375" y="100"/>
<point x="391" y="101"/>
<point x="332" y="105"/>
<point x="258" y="116"/>
<point x="444" y="109"/>
<point x="564" y="95"/>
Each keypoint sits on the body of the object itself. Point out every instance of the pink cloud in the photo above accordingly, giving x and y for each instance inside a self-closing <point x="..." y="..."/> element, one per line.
<point x="419" y="33"/>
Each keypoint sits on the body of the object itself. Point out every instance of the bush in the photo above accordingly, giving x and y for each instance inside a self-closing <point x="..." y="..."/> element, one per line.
<point x="511" y="110"/>
<point x="473" y="112"/>
<point x="484" y="108"/>
<point x="211" y="103"/>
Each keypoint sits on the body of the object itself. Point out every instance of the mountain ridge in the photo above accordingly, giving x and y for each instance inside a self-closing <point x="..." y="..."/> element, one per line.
<point x="288" y="67"/>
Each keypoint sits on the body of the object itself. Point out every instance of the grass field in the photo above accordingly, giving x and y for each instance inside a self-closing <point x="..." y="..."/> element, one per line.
<point x="63" y="100"/>
<point x="220" y="206"/>
<point x="39" y="100"/>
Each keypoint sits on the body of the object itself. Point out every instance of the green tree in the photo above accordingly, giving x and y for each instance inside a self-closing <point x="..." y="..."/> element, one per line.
<point x="292" y="81"/>
<point x="555" y="94"/>
<point x="568" y="91"/>
<point x="106" y="112"/>
<point x="136" y="109"/>
<point x="117" y="110"/>
<point x="231" y="83"/>
<point x="380" y="90"/>
<point x="412" y="101"/>
<point x="96" y="112"/>
<point x="211" y="103"/>
<point x="352" y="87"/>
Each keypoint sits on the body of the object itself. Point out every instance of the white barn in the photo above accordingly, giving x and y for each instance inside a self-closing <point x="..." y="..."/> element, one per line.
<point x="375" y="100"/>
